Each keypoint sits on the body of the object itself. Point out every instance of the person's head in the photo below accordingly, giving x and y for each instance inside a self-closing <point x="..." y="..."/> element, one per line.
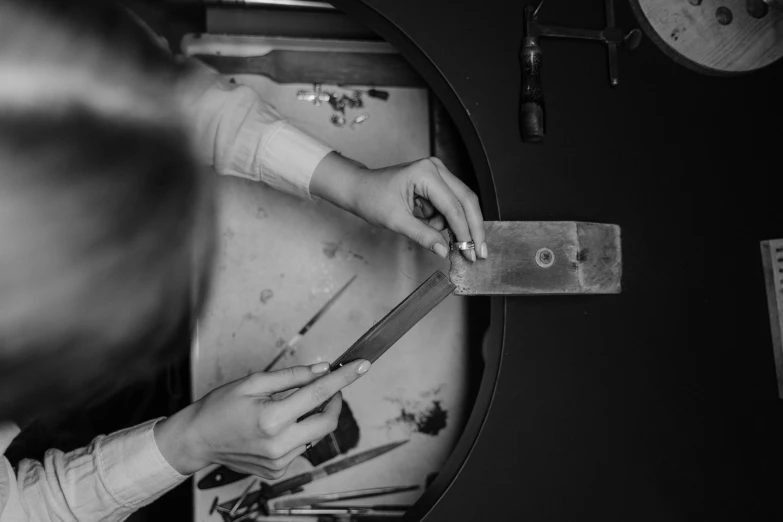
<point x="106" y="218"/>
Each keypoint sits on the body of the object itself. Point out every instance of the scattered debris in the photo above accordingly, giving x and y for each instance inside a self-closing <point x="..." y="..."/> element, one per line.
<point x="359" y="119"/>
<point x="266" y="295"/>
<point x="341" y="102"/>
<point x="330" y="249"/>
<point x="351" y="102"/>
<point x="427" y="418"/>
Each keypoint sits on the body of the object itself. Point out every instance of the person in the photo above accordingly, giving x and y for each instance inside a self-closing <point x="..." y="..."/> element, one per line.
<point x="107" y="222"/>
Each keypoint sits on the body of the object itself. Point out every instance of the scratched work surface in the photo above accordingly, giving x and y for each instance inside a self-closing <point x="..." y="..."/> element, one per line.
<point x="281" y="258"/>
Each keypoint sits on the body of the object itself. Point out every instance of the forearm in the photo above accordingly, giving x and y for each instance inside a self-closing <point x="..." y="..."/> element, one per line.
<point x="105" y="481"/>
<point x="339" y="181"/>
<point x="176" y="441"/>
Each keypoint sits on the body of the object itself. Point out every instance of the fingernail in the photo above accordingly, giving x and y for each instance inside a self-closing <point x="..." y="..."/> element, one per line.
<point x="321" y="367"/>
<point x="363" y="368"/>
<point x="472" y="255"/>
<point x="441" y="250"/>
<point x="484" y="251"/>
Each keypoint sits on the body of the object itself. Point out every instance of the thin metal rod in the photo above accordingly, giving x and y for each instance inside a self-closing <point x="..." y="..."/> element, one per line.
<point x="310" y="500"/>
<point x="242" y="498"/>
<point x="614" y="73"/>
<point x="274" y="3"/>
<point x="291" y="344"/>
<point x="558" y="31"/>
<point x="609" y="6"/>
<point x="535" y="13"/>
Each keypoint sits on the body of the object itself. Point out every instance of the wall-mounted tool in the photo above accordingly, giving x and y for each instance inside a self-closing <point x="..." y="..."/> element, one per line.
<point x="532" y="115"/>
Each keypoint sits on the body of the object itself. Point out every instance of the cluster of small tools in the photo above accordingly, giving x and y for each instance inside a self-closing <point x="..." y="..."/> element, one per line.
<point x="265" y="501"/>
<point x="341" y="102"/>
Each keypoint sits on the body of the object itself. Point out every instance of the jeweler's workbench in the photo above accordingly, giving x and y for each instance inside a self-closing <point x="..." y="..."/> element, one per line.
<point x="656" y="404"/>
<point x="281" y="258"/>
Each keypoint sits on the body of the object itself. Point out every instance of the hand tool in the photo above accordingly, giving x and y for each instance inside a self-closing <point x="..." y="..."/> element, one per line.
<point x="314" y="500"/>
<point x="289" y="347"/>
<point x="340" y="441"/>
<point x="242" y="497"/>
<point x="377" y="507"/>
<point x="394" y="325"/>
<point x="220" y="476"/>
<point x="294" y="484"/>
<point x="532" y="117"/>
<point x="375" y="93"/>
<point x="341" y="512"/>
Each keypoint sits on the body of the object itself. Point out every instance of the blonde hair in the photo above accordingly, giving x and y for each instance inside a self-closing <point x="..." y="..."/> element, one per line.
<point x="106" y="219"/>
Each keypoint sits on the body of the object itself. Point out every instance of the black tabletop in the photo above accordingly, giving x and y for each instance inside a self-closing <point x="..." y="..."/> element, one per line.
<point x="659" y="403"/>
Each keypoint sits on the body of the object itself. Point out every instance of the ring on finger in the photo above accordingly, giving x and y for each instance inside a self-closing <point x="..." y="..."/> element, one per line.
<point x="308" y="446"/>
<point x="466" y="245"/>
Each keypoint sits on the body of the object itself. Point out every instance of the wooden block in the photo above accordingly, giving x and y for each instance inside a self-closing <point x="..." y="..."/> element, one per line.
<point x="714" y="36"/>
<point x="341" y="68"/>
<point x="772" y="259"/>
<point x="542" y="257"/>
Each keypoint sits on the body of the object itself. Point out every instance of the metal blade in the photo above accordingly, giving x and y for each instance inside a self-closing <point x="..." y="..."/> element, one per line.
<point x="388" y="330"/>
<point x="363" y="512"/>
<point x="364" y="456"/>
<point x="297" y="481"/>
<point x="310" y="500"/>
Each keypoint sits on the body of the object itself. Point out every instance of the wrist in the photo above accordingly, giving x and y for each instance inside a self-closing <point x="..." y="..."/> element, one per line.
<point x="176" y="442"/>
<point x="338" y="180"/>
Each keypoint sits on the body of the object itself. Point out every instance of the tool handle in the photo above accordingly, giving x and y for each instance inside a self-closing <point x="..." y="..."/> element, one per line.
<point x="531" y="107"/>
<point x="292" y="484"/>
<point x="381" y="95"/>
<point x="220" y="476"/>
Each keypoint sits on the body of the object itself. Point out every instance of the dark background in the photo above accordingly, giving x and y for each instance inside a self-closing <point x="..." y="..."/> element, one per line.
<point x="659" y="403"/>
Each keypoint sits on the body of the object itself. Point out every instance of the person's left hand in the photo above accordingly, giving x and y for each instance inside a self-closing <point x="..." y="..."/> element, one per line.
<point x="418" y="199"/>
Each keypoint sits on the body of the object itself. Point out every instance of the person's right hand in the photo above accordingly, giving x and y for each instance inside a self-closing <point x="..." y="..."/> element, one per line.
<point x="241" y="425"/>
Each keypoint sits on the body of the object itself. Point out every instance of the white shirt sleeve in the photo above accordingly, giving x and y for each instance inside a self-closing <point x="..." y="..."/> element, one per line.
<point x="106" y="481"/>
<point x="241" y="135"/>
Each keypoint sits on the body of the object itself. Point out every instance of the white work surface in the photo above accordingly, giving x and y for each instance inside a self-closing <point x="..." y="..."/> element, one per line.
<point x="281" y="258"/>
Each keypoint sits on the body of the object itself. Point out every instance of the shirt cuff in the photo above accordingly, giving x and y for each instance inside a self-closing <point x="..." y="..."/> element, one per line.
<point x="290" y="158"/>
<point x="132" y="466"/>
